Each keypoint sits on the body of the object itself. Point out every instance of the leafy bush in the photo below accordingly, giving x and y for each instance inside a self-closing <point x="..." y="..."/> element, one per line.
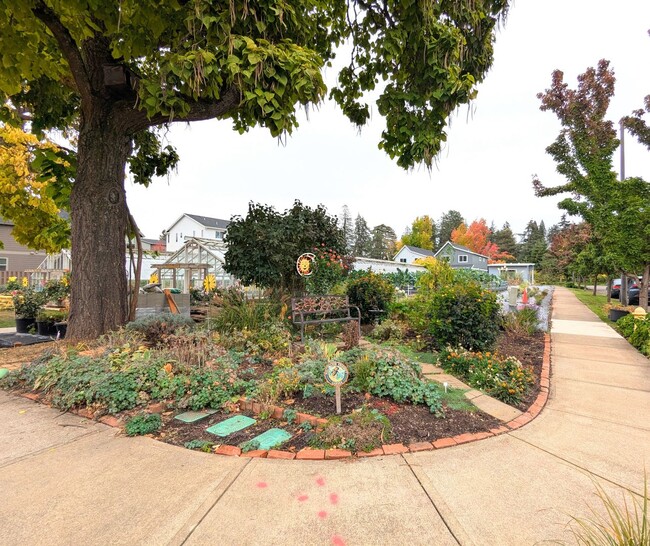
<point x="462" y="315"/>
<point x="389" y="374"/>
<point x="370" y="292"/>
<point x="143" y="424"/>
<point x="201" y="445"/>
<point x="388" y="330"/>
<point x="329" y="270"/>
<point x="270" y="339"/>
<point x="505" y="379"/>
<point x="126" y="377"/>
<point x="636" y="331"/>
<point x="155" y="328"/>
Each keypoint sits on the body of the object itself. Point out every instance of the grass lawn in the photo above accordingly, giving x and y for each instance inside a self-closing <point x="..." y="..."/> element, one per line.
<point x="595" y="303"/>
<point x="7" y="319"/>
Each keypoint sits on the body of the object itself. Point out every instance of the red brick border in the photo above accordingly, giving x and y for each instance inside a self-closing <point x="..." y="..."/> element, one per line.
<point x="308" y="454"/>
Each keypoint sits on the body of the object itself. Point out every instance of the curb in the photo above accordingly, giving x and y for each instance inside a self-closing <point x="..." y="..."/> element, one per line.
<point x="309" y="454"/>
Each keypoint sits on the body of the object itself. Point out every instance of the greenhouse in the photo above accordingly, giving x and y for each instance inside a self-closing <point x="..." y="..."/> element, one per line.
<point x="190" y="265"/>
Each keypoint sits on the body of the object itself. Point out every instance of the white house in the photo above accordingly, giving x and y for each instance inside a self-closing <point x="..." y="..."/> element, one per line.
<point x="408" y="254"/>
<point x="192" y="225"/>
<point x="384" y="266"/>
<point x="510" y="271"/>
<point x="461" y="257"/>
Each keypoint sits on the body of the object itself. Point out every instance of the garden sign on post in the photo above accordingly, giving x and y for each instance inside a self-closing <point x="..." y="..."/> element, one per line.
<point x="336" y="374"/>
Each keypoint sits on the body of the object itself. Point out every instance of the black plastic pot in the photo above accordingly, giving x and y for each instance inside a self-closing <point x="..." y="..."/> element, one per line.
<point x="61" y="329"/>
<point x="24" y="324"/>
<point x="46" y="328"/>
<point x="615" y="314"/>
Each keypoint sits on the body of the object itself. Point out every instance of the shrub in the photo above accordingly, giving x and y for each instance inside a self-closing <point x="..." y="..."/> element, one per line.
<point x="505" y="379"/>
<point x="155" y="328"/>
<point x="388" y="330"/>
<point x="370" y="292"/>
<point x="636" y="331"/>
<point x="389" y="374"/>
<point x="463" y="315"/>
<point x="271" y="339"/>
<point x="362" y="430"/>
<point x="143" y="424"/>
<point x="329" y="270"/>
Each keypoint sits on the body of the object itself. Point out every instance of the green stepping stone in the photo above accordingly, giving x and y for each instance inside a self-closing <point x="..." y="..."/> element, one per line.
<point x="233" y="424"/>
<point x="194" y="416"/>
<point x="271" y="438"/>
<point x="3" y="372"/>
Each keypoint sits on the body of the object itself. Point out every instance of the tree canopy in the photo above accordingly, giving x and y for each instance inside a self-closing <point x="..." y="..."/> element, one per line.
<point x="476" y="237"/>
<point x="263" y="247"/>
<point x="110" y="72"/>
<point x="618" y="212"/>
<point x="421" y="234"/>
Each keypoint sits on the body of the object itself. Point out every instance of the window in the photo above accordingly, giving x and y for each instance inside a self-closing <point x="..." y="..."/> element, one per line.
<point x="219" y="234"/>
<point x="4" y="263"/>
<point x="403" y="260"/>
<point x="168" y="237"/>
<point x="462" y="258"/>
<point x="445" y="258"/>
<point x="177" y="237"/>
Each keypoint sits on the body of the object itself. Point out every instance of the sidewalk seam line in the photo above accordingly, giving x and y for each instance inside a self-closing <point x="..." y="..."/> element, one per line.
<point x="53" y="446"/>
<point x="576" y="465"/>
<point x="598" y="419"/>
<point x="599" y="383"/>
<point x="442" y="518"/>
<point x="195" y="527"/>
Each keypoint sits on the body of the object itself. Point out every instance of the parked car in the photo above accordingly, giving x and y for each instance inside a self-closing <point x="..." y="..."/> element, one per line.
<point x="633" y="295"/>
<point x="632" y="282"/>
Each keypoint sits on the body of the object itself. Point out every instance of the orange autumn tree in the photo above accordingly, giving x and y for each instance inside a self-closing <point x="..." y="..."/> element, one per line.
<point x="476" y="237"/>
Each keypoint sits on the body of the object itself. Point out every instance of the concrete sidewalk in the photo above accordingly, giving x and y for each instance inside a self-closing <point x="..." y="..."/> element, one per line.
<point x="66" y="480"/>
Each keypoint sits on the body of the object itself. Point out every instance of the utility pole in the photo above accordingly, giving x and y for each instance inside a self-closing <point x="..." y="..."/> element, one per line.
<point x="623" y="292"/>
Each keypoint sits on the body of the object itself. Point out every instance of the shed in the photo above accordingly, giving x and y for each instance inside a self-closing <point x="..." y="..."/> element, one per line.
<point x="510" y="271"/>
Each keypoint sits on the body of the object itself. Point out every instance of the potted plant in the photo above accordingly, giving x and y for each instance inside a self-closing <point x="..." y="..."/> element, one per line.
<point x="27" y="302"/>
<point x="46" y="321"/>
<point x="616" y="311"/>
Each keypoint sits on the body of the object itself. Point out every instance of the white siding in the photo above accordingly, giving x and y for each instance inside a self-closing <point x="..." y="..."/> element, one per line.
<point x="407" y="256"/>
<point x="185" y="227"/>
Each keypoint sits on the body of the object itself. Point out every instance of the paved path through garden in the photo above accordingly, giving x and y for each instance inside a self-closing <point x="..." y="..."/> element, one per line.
<point x="66" y="480"/>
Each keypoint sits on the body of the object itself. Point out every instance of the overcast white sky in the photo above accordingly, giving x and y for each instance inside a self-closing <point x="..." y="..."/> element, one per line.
<point x="485" y="169"/>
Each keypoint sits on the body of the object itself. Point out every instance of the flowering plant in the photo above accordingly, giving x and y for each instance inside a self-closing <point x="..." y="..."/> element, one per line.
<point x="329" y="269"/>
<point x="27" y="302"/>
<point x="12" y="284"/>
<point x="504" y="378"/>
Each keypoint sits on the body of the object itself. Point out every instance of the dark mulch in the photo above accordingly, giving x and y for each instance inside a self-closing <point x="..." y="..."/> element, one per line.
<point x="178" y="433"/>
<point x="529" y="350"/>
<point x="410" y="423"/>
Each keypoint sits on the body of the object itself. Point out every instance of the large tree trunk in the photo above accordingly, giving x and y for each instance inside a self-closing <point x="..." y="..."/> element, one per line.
<point x="98" y="301"/>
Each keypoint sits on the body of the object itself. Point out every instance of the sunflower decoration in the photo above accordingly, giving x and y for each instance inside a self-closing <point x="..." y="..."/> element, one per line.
<point x="209" y="283"/>
<point x="153" y="279"/>
<point x="305" y="264"/>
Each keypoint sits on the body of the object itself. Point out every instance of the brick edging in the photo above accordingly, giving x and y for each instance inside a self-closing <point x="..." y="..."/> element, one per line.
<point x="277" y="412"/>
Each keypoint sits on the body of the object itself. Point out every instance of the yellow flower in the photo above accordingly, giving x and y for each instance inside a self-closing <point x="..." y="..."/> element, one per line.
<point x="153" y="279"/>
<point x="209" y="283"/>
<point x="25" y="282"/>
<point x="12" y="279"/>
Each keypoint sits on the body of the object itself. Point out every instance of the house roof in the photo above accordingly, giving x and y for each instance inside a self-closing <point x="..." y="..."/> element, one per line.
<point x="205" y="221"/>
<point x="460" y="248"/>
<point x="209" y="222"/>
<point x="151" y="241"/>
<point x="418" y="250"/>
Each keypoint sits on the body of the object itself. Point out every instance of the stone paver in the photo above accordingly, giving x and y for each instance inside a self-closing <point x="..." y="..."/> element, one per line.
<point x="495" y="408"/>
<point x="271" y="438"/>
<point x="193" y="416"/>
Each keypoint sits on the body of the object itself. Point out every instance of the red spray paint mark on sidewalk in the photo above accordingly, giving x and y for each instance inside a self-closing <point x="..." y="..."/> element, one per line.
<point x="337" y="541"/>
<point x="303" y="498"/>
<point x="334" y="498"/>
<point x="320" y="481"/>
<point x="262" y="485"/>
<point x="322" y="514"/>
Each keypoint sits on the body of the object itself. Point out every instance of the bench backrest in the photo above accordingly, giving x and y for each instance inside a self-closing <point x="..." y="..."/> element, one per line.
<point x="319" y="304"/>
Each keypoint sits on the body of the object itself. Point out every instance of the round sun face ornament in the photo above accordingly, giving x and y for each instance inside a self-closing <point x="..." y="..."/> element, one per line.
<point x="305" y="264"/>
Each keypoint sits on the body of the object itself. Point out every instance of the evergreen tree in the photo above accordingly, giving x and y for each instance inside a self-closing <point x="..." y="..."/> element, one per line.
<point x="504" y="238"/>
<point x="384" y="242"/>
<point x="533" y="243"/>
<point x="449" y="221"/>
<point x="362" y="240"/>
<point x="347" y="226"/>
